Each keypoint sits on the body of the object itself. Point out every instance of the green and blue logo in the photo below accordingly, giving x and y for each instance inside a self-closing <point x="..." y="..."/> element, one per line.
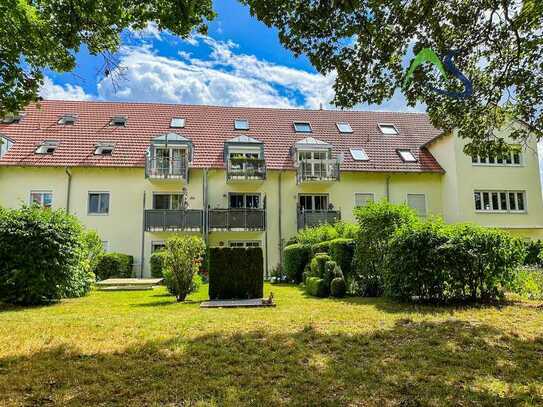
<point x="428" y="55"/>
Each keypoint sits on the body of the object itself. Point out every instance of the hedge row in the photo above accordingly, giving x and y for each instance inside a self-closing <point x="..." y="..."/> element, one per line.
<point x="157" y="263"/>
<point x="112" y="265"/>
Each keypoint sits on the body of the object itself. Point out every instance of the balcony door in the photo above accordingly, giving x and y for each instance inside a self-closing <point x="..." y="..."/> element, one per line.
<point x="314" y="164"/>
<point x="313" y="203"/>
<point x="241" y="160"/>
<point x="171" y="160"/>
<point x="244" y="201"/>
<point x="168" y="201"/>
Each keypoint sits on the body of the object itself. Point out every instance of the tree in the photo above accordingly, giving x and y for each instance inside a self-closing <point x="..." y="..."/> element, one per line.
<point x="497" y="44"/>
<point x="94" y="248"/>
<point x="182" y="262"/>
<point x="46" y="34"/>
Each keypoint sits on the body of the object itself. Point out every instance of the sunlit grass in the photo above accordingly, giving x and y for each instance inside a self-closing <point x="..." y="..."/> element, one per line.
<point x="143" y="348"/>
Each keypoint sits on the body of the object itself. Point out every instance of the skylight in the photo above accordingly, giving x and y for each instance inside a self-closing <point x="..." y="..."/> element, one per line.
<point x="302" y="127"/>
<point x="241" y="124"/>
<point x="104" y="149"/>
<point x="344" y="127"/>
<point x="388" y="129"/>
<point x="118" y="121"/>
<point x="407" y="156"/>
<point x="47" y="147"/>
<point x="359" y="154"/>
<point x="12" y="118"/>
<point x="67" y="119"/>
<point x="177" y="122"/>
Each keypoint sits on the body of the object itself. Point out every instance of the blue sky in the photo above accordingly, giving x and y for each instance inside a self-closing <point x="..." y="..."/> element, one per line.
<point x="240" y="62"/>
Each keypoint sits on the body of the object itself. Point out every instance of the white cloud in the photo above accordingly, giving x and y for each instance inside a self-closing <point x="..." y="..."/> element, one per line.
<point x="151" y="30"/>
<point x="50" y="90"/>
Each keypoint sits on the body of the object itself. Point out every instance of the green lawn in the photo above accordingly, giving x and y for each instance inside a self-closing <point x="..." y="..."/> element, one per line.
<point x="142" y="348"/>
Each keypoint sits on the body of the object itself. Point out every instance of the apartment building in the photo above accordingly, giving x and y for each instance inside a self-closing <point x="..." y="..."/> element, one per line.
<point x="138" y="173"/>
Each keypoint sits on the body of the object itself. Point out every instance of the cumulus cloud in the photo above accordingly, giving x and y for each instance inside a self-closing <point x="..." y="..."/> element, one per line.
<point x="50" y="90"/>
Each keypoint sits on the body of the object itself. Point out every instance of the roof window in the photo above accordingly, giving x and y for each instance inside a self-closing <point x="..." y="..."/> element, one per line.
<point x="118" y="121"/>
<point x="67" y="119"/>
<point x="104" y="149"/>
<point x="359" y="154"/>
<point x="388" y="129"/>
<point x="241" y="124"/>
<point x="344" y="127"/>
<point x="12" y="118"/>
<point x="177" y="122"/>
<point x="47" y="147"/>
<point x="407" y="156"/>
<point x="302" y="127"/>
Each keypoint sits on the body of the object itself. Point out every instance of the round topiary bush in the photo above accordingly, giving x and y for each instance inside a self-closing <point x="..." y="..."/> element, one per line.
<point x="338" y="288"/>
<point x="318" y="263"/>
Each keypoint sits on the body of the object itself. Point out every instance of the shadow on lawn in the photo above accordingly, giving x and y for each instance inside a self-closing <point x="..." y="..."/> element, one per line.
<point x="412" y="364"/>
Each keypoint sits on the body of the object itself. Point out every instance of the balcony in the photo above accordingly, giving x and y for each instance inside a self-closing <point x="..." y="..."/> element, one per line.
<point x="166" y="168"/>
<point x="164" y="220"/>
<point x="237" y="219"/>
<point x="323" y="170"/>
<point x="308" y="219"/>
<point x="246" y="169"/>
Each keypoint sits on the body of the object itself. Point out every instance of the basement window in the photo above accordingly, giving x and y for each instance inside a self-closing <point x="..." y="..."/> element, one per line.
<point x="302" y="127"/>
<point x="177" y="122"/>
<point x="359" y="154"/>
<point x="118" y="121"/>
<point x="104" y="149"/>
<point x="344" y="127"/>
<point x="407" y="156"/>
<point x="67" y="119"/>
<point x="47" y="147"/>
<point x="388" y="129"/>
<point x="241" y="124"/>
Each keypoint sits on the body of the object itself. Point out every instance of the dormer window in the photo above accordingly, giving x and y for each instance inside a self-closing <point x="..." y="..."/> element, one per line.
<point x="344" y="127"/>
<point x="104" y="149"/>
<point x="241" y="124"/>
<point x="177" y="122"/>
<point x="5" y="145"/>
<point x="388" y="129"/>
<point x="302" y="127"/>
<point x="359" y="154"/>
<point x="47" y="147"/>
<point x="118" y="121"/>
<point x="407" y="156"/>
<point x="12" y="119"/>
<point x="67" y="119"/>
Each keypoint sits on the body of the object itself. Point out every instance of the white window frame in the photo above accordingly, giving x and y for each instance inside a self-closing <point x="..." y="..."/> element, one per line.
<point x="181" y="194"/>
<point x="382" y="125"/>
<point x="295" y="124"/>
<point x="425" y="202"/>
<point x="363" y="152"/>
<point x="47" y="145"/>
<point x="100" y="148"/>
<point x="40" y="192"/>
<point x="245" y="243"/>
<point x="347" y="124"/>
<point x="105" y="245"/>
<point x="67" y="120"/>
<point x="98" y="213"/>
<point x="118" y="121"/>
<point x="239" y="121"/>
<point x="313" y="201"/>
<point x="476" y="161"/>
<point x="177" y="122"/>
<point x="313" y="162"/>
<point x="156" y="243"/>
<point x="404" y="159"/>
<point x="508" y="210"/>
<point x="363" y="193"/>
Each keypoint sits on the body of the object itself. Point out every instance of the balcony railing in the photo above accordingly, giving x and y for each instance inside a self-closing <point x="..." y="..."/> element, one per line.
<point x="326" y="170"/>
<point x="166" y="168"/>
<point x="307" y="219"/>
<point x="237" y="219"/>
<point x="245" y="169"/>
<point x="164" y="220"/>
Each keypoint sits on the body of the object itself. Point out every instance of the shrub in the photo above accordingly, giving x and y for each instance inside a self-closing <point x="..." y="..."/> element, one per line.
<point x="331" y="271"/>
<point x="318" y="263"/>
<point x="94" y="248"/>
<point x="528" y="283"/>
<point x="338" y="288"/>
<point x="171" y="286"/>
<point x="326" y="232"/>
<point x="295" y="258"/>
<point x="43" y="257"/>
<point x="114" y="265"/>
<point x="182" y="262"/>
<point x="341" y="251"/>
<point x="157" y="263"/>
<point x="377" y="223"/>
<point x="322" y="247"/>
<point x="236" y="273"/>
<point x="533" y="253"/>
<point x="316" y="287"/>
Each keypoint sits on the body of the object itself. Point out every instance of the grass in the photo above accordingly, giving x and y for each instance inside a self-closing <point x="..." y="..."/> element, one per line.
<point x="142" y="348"/>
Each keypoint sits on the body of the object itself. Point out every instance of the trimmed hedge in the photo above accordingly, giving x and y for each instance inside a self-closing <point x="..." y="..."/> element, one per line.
<point x="533" y="253"/>
<point x="338" y="288"/>
<point x="322" y="247"/>
<point x="342" y="251"/>
<point x="114" y="265"/>
<point x="316" y="287"/>
<point x="157" y="264"/>
<point x="295" y="258"/>
<point x="236" y="273"/>
<point x="318" y="264"/>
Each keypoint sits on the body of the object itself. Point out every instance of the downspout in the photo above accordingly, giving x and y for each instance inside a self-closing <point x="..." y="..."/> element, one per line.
<point x="68" y="189"/>
<point x="388" y="188"/>
<point x="205" y="209"/>
<point x="267" y="275"/>
<point x="280" y="215"/>
<point x="143" y="239"/>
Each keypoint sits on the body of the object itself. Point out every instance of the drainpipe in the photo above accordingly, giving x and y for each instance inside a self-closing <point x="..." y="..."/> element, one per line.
<point x="143" y="239"/>
<point x="68" y="189"/>
<point x="205" y="209"/>
<point x="280" y="216"/>
<point x="267" y="275"/>
<point x="388" y="188"/>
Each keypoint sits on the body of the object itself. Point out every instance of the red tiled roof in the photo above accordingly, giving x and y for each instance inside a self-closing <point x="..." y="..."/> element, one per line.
<point x="209" y="127"/>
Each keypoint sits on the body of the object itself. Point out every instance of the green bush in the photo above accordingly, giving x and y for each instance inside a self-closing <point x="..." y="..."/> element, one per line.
<point x="316" y="287"/>
<point x="342" y="251"/>
<point x="331" y="271"/>
<point x="318" y="263"/>
<point x="94" y="248"/>
<point x="43" y="257"/>
<point x="236" y="273"/>
<point x="533" y="253"/>
<point x="377" y="224"/>
<point x="338" y="288"/>
<point x="528" y="283"/>
<point x="114" y="265"/>
<point x="322" y="247"/>
<point x="295" y="258"/>
<point x="326" y="232"/>
<point x="157" y="263"/>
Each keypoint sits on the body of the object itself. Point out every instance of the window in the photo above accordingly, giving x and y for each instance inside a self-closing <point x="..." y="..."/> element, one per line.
<point x="417" y="202"/>
<point x="12" y="119"/>
<point x="105" y="245"/>
<point x="359" y="154"/>
<point x="407" y="156"/>
<point x="363" y="198"/>
<point x="500" y="201"/>
<point x="5" y="145"/>
<point x="302" y="127"/>
<point x="313" y="202"/>
<point x="244" y="201"/>
<point x="244" y="243"/>
<point x="157" y="246"/>
<point x="67" y="119"/>
<point x="98" y="203"/>
<point x="118" y="121"/>
<point x="42" y="198"/>
<point x="388" y="129"/>
<point x="344" y="127"/>
<point x="47" y="147"/>
<point x="512" y="158"/>
<point x="104" y="149"/>
<point x="315" y="164"/>
<point x="177" y="122"/>
<point x="168" y="201"/>
<point x="241" y="124"/>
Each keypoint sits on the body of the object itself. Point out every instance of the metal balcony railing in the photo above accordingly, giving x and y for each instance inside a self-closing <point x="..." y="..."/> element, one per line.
<point x="244" y="169"/>
<point x="307" y="219"/>
<point x="166" y="168"/>
<point x="237" y="219"/>
<point x="171" y="220"/>
<point x="318" y="170"/>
